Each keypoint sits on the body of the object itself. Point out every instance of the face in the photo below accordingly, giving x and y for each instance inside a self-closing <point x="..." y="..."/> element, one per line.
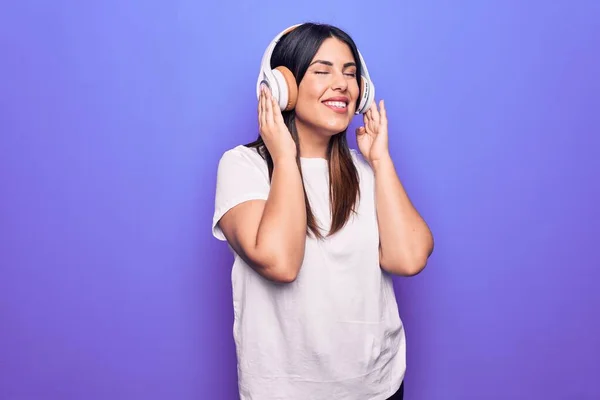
<point x="328" y="91"/>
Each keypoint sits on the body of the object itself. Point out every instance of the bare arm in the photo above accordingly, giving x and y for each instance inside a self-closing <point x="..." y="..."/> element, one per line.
<point x="270" y="235"/>
<point x="405" y="239"/>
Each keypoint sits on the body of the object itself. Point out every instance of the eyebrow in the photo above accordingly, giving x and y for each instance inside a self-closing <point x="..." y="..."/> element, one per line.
<point x="329" y="63"/>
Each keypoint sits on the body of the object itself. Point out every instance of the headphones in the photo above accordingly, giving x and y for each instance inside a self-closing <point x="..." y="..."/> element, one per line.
<point x="283" y="85"/>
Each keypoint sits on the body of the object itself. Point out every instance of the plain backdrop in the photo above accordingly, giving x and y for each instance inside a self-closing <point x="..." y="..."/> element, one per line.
<point x="114" y="114"/>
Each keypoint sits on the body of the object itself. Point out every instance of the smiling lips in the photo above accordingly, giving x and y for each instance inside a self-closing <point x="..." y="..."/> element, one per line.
<point x="337" y="104"/>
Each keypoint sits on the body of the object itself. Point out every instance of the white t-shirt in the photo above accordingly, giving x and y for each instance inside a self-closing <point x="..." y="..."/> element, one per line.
<point x="332" y="334"/>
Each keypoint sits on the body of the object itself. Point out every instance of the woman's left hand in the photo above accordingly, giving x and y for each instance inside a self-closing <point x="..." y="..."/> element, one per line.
<point x="372" y="138"/>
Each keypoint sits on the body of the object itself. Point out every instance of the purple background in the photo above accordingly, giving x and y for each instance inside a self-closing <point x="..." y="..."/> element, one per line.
<point x="113" y="115"/>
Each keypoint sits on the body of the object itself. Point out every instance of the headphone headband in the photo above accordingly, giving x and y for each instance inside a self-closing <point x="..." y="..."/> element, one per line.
<point x="282" y="83"/>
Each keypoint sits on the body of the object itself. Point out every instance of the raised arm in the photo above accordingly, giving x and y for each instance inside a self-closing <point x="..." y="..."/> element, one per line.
<point x="405" y="241"/>
<point x="270" y="235"/>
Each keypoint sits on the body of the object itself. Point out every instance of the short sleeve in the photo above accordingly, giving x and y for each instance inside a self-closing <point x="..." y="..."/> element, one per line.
<point x="242" y="175"/>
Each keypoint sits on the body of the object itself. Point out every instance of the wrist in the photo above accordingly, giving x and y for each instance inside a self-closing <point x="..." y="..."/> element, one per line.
<point x="283" y="160"/>
<point x="382" y="163"/>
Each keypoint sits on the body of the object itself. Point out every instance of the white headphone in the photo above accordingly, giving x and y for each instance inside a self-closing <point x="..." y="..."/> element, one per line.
<point x="283" y="85"/>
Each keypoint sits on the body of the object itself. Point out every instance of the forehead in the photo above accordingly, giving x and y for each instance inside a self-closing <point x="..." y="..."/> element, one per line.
<point x="334" y="50"/>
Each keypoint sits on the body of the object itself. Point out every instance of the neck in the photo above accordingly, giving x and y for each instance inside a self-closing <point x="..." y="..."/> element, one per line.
<point x="312" y="144"/>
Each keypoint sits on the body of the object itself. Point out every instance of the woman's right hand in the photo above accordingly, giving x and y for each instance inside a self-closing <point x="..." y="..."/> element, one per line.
<point x="273" y="130"/>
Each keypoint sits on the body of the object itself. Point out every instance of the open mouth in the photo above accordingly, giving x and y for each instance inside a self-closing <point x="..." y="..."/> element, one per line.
<point x="339" y="106"/>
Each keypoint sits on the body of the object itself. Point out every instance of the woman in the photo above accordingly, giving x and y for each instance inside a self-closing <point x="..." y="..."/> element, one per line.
<point x="317" y="230"/>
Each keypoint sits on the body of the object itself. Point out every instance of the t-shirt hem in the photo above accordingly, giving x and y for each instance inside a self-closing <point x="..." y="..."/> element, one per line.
<point x="245" y="391"/>
<point x="392" y="391"/>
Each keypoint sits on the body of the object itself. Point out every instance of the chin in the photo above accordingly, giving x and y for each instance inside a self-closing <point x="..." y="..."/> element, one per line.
<point x="333" y="130"/>
<point x="334" y="127"/>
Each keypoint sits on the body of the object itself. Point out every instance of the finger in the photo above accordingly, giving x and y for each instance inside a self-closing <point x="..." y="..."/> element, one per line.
<point x="268" y="107"/>
<point x="360" y="131"/>
<point x="382" y="112"/>
<point x="258" y="106"/>
<point x="264" y="106"/>
<point x="375" y="114"/>
<point x="372" y="111"/>
<point x="370" y="123"/>
<point x="277" y="117"/>
<point x="261" y="107"/>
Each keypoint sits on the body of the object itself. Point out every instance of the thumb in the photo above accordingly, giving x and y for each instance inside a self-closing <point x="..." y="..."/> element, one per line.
<point x="360" y="131"/>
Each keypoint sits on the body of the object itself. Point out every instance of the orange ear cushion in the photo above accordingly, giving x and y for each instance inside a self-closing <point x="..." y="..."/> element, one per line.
<point x="292" y="87"/>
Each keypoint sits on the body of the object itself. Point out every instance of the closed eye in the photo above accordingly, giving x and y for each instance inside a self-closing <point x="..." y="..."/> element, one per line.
<point x="350" y="74"/>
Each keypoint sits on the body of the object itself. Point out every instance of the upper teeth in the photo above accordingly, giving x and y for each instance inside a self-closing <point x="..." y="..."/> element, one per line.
<point x="339" y="104"/>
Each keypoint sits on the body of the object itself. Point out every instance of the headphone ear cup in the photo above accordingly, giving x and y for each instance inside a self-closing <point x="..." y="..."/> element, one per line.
<point x="362" y="96"/>
<point x="367" y="94"/>
<point x="288" y="89"/>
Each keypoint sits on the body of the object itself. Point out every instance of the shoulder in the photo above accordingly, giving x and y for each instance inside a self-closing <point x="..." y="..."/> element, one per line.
<point x="242" y="158"/>
<point x="242" y="152"/>
<point x="363" y="167"/>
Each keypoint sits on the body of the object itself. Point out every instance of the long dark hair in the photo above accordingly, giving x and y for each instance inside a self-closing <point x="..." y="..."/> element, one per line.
<point x="295" y="51"/>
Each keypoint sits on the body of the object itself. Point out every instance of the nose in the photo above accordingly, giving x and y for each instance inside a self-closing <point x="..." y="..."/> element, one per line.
<point x="339" y="81"/>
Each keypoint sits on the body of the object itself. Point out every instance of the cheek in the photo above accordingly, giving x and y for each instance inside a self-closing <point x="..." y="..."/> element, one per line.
<point x="355" y="89"/>
<point x="310" y="91"/>
<point x="308" y="100"/>
<point x="355" y="93"/>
